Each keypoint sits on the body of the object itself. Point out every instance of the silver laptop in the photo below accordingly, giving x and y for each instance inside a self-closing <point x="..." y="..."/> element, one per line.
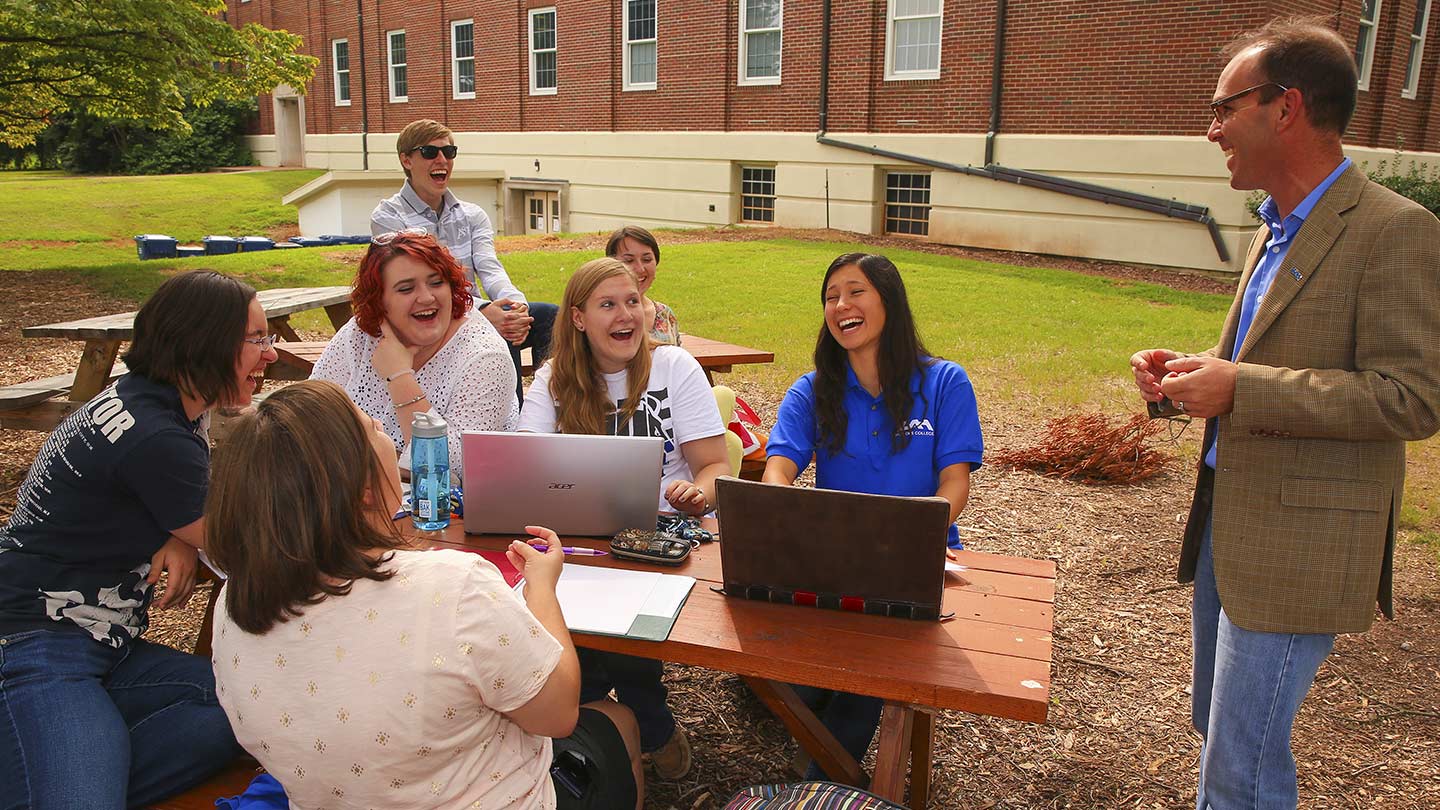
<point x="585" y="485"/>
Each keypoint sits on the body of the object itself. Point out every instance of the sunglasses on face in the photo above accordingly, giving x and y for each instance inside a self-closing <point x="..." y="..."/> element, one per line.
<point x="430" y="151"/>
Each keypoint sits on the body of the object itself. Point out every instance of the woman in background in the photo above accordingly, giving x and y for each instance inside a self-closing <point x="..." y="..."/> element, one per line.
<point x="363" y="673"/>
<point x="637" y="249"/>
<point x="880" y="415"/>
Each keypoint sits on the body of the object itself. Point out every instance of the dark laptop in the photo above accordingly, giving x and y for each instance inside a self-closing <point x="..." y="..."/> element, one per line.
<point x="873" y="554"/>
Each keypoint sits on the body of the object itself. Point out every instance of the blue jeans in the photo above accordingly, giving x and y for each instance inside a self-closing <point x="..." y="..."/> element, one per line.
<point x="89" y="727"/>
<point x="851" y="718"/>
<point x="537" y="341"/>
<point x="637" y="685"/>
<point x="1247" y="687"/>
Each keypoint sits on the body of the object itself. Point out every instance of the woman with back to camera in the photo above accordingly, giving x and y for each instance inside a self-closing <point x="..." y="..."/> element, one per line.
<point x="91" y="715"/>
<point x="880" y="415"/>
<point x="604" y="376"/>
<point x="415" y="345"/>
<point x="364" y="673"/>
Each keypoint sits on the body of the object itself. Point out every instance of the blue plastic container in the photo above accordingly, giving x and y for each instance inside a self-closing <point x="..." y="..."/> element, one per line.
<point x="249" y="244"/>
<point x="155" y="246"/>
<point x="221" y="245"/>
<point x="308" y="241"/>
<point x="285" y="245"/>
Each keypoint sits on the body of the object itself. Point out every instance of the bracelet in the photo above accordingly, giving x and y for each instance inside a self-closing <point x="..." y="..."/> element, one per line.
<point x="400" y="405"/>
<point x="397" y="375"/>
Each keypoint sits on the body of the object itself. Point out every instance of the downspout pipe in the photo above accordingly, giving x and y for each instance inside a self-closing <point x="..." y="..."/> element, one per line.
<point x="1061" y="185"/>
<point x="997" y="81"/>
<point x="824" y="66"/>
<point x="364" y="89"/>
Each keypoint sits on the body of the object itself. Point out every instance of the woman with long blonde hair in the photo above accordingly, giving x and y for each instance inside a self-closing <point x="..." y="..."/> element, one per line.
<point x="605" y="376"/>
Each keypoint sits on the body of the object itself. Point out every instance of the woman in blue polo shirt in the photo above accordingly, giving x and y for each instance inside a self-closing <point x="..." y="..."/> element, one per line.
<point x="879" y="415"/>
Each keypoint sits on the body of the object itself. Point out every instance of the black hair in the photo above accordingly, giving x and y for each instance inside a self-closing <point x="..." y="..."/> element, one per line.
<point x="189" y="332"/>
<point x="901" y="354"/>
<point x="639" y="234"/>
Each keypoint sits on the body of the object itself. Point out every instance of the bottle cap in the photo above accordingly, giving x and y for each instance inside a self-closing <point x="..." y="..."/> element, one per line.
<point x="427" y="426"/>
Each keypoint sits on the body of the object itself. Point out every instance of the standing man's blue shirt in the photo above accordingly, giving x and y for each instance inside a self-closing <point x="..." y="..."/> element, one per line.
<point x="944" y="429"/>
<point x="1282" y="235"/>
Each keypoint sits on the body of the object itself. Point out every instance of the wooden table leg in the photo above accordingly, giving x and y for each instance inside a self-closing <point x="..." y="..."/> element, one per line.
<point x="896" y="729"/>
<point x="922" y="746"/>
<point x="807" y="730"/>
<point x="339" y="314"/>
<point x="96" y="361"/>
<point x="281" y="326"/>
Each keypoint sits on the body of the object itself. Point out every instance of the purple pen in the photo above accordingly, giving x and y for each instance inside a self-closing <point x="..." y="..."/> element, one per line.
<point x="583" y="552"/>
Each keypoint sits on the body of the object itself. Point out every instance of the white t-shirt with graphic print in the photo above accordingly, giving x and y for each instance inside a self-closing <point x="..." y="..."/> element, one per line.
<point x="679" y="407"/>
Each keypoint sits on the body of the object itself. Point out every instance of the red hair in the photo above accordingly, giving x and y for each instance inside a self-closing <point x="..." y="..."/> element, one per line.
<point x="368" y="293"/>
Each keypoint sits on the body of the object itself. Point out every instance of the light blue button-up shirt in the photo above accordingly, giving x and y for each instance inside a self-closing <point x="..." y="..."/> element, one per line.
<point x="1277" y="247"/>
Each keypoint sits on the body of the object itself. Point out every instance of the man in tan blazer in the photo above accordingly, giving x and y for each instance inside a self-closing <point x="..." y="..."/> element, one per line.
<point x="1329" y="361"/>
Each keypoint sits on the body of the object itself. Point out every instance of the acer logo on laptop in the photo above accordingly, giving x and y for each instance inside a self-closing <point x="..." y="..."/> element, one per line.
<point x="558" y="485"/>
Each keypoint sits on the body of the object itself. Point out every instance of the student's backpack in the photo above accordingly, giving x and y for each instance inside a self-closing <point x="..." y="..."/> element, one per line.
<point x="828" y="795"/>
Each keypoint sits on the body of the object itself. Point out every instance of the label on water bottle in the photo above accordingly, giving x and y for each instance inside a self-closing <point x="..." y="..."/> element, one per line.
<point x="427" y="508"/>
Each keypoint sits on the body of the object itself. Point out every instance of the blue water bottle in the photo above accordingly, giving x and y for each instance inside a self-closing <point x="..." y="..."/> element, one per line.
<point x="429" y="472"/>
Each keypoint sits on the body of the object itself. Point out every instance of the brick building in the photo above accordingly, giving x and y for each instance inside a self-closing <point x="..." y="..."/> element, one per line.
<point x="585" y="114"/>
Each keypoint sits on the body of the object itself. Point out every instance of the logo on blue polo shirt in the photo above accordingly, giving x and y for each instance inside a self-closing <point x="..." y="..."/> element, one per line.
<point x="919" y="427"/>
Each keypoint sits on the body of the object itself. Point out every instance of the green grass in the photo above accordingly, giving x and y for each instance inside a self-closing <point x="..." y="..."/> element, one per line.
<point x="1035" y="341"/>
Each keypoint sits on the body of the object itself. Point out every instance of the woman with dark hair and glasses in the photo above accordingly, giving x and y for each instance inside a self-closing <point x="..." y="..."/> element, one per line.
<point x="427" y="153"/>
<point x="94" y="716"/>
<point x="880" y="415"/>
<point x="415" y="347"/>
<point x="364" y="672"/>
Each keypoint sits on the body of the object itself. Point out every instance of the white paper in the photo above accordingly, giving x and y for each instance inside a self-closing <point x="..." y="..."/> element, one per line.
<point x="953" y="566"/>
<point x="607" y="600"/>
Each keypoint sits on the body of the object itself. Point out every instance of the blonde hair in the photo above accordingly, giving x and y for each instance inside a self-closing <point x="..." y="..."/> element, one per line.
<point x="418" y="133"/>
<point x="581" y="399"/>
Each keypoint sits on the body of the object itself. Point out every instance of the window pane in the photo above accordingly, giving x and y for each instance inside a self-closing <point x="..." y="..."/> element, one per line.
<point x="401" y="87"/>
<point x="544" y="31"/>
<point x="342" y="90"/>
<point x="545" y="69"/>
<point x="917" y="44"/>
<point x="464" y="40"/>
<point x="342" y="56"/>
<point x="1361" y="46"/>
<point x="1412" y="66"/>
<point x="1367" y="10"/>
<point x="909" y="8"/>
<point x="762" y="14"/>
<point x="762" y="55"/>
<point x="907" y="204"/>
<point x="465" y="75"/>
<point x="1420" y="17"/>
<point x="642" y="19"/>
<point x="642" y="63"/>
<point x="397" y="49"/>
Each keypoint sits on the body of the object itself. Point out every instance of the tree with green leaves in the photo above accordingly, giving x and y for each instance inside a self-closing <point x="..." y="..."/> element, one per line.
<point x="138" y="61"/>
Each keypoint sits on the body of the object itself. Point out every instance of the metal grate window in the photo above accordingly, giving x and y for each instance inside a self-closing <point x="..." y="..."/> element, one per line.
<point x="907" y="204"/>
<point x="757" y="194"/>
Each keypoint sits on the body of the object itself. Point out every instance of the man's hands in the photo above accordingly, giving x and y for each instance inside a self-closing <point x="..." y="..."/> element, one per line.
<point x="1200" y="386"/>
<point x="179" y="560"/>
<point x="510" y="318"/>
<point x="390" y="355"/>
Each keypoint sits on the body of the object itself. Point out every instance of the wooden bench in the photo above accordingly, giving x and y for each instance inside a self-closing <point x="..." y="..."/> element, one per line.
<point x="42" y="404"/>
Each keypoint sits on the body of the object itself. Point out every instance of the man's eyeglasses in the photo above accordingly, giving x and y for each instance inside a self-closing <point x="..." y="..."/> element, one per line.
<point x="383" y="239"/>
<point x="1222" y="110"/>
<point x="265" y="343"/>
<point x="429" y="151"/>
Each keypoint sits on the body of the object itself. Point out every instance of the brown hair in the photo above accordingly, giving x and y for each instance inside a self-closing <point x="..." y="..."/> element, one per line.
<point x="582" y="400"/>
<point x="418" y="133"/>
<point x="188" y="334"/>
<point x="1306" y="54"/>
<point x="639" y="234"/>
<point x="294" y="505"/>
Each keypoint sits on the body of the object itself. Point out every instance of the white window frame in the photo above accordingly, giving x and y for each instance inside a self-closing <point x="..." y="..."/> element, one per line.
<point x="772" y="196"/>
<point x="1373" y="38"/>
<point x="536" y="90"/>
<point x="626" y="42"/>
<point x="1417" y="54"/>
<point x="745" y="48"/>
<point x="335" y="70"/>
<point x="456" y="58"/>
<point x="929" y="204"/>
<point x="892" y="75"/>
<point x="390" y="65"/>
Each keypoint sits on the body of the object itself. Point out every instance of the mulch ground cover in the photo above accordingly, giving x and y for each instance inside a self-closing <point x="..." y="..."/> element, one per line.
<point x="1118" y="732"/>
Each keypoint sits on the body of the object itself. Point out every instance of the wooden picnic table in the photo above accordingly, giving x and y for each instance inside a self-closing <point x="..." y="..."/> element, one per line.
<point x="298" y="359"/>
<point x="993" y="657"/>
<point x="35" y="405"/>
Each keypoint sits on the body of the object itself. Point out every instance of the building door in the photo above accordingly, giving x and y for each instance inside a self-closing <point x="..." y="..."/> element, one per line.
<point x="542" y="212"/>
<point x="289" y="130"/>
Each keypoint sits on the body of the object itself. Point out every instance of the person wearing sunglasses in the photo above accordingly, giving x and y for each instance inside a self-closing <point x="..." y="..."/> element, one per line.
<point x="1328" y="363"/>
<point x="416" y="345"/>
<point x="94" y="715"/>
<point x="427" y="154"/>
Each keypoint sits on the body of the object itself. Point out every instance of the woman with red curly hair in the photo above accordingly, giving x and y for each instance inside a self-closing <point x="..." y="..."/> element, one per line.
<point x="414" y="345"/>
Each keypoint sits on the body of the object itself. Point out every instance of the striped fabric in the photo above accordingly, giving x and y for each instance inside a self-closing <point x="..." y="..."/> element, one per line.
<point x="807" y="796"/>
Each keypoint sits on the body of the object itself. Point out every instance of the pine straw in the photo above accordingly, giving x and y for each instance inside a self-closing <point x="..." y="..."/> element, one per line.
<point x="1118" y="736"/>
<point x="1092" y="449"/>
